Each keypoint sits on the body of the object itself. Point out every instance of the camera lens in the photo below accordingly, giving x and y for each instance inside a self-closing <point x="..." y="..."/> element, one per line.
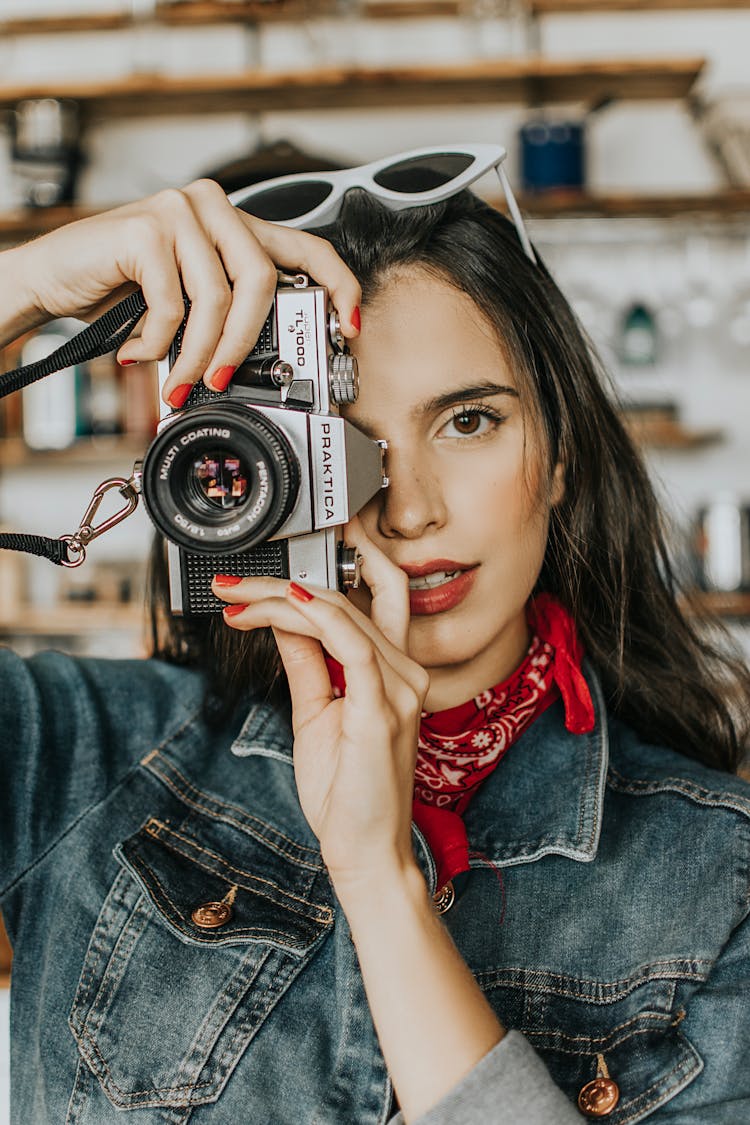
<point x="220" y="478"/>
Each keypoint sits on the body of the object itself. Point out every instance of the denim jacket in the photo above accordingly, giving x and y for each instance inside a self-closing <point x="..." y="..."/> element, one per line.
<point x="605" y="916"/>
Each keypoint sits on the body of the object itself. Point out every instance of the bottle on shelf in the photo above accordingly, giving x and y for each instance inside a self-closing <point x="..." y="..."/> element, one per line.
<point x="53" y="411"/>
<point x="638" y="343"/>
<point x="90" y="400"/>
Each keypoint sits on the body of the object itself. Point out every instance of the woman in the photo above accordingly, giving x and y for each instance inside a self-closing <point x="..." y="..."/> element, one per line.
<point x="219" y="905"/>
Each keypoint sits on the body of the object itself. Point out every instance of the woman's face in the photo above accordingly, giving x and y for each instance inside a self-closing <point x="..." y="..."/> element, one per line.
<point x="467" y="510"/>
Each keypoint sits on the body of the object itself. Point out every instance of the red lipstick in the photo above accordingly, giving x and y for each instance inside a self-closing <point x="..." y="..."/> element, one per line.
<point x="446" y="596"/>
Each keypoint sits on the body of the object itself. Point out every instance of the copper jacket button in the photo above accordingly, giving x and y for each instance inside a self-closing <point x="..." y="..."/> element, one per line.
<point x="209" y="915"/>
<point x="598" y="1098"/>
<point x="444" y="898"/>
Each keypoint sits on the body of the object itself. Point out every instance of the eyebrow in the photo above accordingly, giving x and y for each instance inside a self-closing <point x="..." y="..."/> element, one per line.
<point x="465" y="394"/>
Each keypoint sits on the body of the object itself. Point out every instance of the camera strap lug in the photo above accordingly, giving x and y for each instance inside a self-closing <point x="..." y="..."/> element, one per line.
<point x="296" y="280"/>
<point x="87" y="530"/>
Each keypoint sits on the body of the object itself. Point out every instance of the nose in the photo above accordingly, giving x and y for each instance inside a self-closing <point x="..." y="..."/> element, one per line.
<point x="414" y="503"/>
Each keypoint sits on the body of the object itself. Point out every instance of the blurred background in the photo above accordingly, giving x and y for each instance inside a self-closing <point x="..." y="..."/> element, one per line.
<point x="628" y="131"/>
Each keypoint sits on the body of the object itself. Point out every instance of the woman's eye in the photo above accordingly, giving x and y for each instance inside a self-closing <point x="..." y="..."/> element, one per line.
<point x="471" y="423"/>
<point x="467" y="423"/>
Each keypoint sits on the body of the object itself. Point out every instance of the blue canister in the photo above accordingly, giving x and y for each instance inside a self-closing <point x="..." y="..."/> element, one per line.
<point x="552" y="155"/>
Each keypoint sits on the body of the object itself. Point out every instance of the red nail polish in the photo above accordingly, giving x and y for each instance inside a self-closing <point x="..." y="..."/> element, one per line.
<point x="226" y="579"/>
<point x="356" y="319"/>
<point x="233" y="610"/>
<point x="126" y="362"/>
<point x="179" y="395"/>
<point x="221" y="377"/>
<point x="300" y="593"/>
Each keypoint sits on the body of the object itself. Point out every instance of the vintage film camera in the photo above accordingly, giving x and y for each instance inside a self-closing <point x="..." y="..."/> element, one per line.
<point x="259" y="480"/>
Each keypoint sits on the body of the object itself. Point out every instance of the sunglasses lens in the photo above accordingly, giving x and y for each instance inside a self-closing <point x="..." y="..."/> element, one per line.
<point x="423" y="173"/>
<point x="287" y="201"/>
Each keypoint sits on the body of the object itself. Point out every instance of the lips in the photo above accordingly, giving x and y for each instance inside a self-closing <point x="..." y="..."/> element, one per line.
<point x="438" y="586"/>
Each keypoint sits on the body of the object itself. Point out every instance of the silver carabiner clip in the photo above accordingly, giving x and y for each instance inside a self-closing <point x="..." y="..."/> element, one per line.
<point x="79" y="541"/>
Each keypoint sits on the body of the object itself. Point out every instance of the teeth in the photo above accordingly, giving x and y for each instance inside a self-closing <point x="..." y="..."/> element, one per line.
<point x="429" y="581"/>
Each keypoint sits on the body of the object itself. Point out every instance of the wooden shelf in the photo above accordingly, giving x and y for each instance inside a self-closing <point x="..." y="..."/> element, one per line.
<point x="732" y="605"/>
<point x="193" y="13"/>
<point x="14" y="453"/>
<point x="25" y="223"/>
<point x="22" y="224"/>
<point x="74" y="619"/>
<point x="531" y="80"/>
<point x="667" y="434"/>
<point x="552" y="205"/>
<point x="196" y="13"/>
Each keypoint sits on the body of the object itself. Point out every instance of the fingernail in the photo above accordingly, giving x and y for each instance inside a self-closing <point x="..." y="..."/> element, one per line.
<point x="126" y="362"/>
<point x="300" y="593"/>
<point x="179" y="395"/>
<point x="356" y="319"/>
<point x="221" y="377"/>
<point x="233" y="610"/>
<point x="227" y="579"/>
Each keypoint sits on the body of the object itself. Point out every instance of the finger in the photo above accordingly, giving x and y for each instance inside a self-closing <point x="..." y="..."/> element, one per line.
<point x="179" y="256"/>
<point x="208" y="288"/>
<point x="252" y="277"/>
<point x="162" y="290"/>
<point x="254" y="591"/>
<point x="347" y="642"/>
<point x="307" y="675"/>
<point x="388" y="586"/>
<point x="299" y="250"/>
<point x="325" y="627"/>
<point x="370" y="676"/>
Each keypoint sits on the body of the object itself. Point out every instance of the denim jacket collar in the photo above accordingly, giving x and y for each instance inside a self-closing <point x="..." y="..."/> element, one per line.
<point x="517" y="816"/>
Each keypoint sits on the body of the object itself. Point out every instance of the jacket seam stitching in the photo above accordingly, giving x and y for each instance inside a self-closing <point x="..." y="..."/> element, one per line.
<point x="659" y="1099"/>
<point x="235" y="870"/>
<point x="599" y="744"/>
<point x="140" y="864"/>
<point x="634" y="982"/>
<point x="646" y="1020"/>
<point x="702" y="796"/>
<point x="190" y="793"/>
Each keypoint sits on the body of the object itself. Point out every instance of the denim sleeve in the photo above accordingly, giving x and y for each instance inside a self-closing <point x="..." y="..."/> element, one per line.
<point x="510" y="1084"/>
<point x="70" y="730"/>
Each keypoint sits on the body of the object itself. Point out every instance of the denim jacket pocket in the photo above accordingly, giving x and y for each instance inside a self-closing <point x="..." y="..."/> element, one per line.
<point x="630" y="1026"/>
<point x="166" y="1004"/>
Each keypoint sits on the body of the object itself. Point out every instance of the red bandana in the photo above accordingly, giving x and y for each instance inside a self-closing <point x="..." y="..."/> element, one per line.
<point x="460" y="747"/>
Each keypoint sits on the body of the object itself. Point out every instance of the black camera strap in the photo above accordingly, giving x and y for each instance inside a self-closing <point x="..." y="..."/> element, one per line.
<point x="104" y="335"/>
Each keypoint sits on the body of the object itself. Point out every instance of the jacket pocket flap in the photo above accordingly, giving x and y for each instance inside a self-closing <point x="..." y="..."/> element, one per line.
<point x="180" y="875"/>
<point x="633" y="1027"/>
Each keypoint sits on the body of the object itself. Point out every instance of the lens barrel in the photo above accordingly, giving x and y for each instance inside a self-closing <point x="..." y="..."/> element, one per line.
<point x="220" y="479"/>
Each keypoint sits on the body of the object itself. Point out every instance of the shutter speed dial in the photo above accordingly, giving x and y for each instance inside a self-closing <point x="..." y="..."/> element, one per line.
<point x="343" y="378"/>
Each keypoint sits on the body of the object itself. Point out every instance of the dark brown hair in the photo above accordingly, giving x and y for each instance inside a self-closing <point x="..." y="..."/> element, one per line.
<point x="606" y="559"/>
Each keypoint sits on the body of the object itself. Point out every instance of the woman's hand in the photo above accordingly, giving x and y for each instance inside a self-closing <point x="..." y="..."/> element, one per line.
<point x="192" y="240"/>
<point x="354" y="756"/>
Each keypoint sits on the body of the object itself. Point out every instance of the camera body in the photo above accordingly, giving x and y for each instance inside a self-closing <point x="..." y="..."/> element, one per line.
<point x="259" y="479"/>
